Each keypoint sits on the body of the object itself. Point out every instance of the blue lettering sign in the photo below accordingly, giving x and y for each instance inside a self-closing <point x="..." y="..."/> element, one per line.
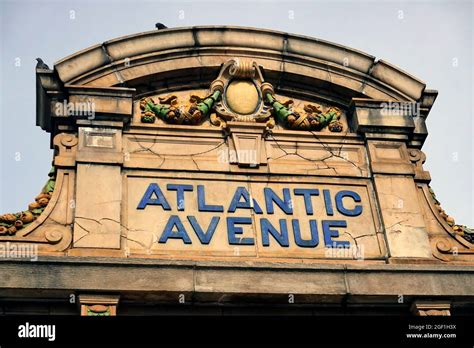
<point x="202" y="206"/>
<point x="340" y="205"/>
<point x="313" y="242"/>
<point x="328" y="203"/>
<point x="179" y="193"/>
<point x="271" y="197"/>
<point x="180" y="233"/>
<point x="329" y="233"/>
<point x="240" y="193"/>
<point x="233" y="231"/>
<point x="204" y="237"/>
<point x="307" y="193"/>
<point x="153" y="189"/>
<point x="268" y="229"/>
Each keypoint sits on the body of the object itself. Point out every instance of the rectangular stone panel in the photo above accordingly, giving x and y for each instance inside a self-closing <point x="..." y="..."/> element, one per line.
<point x="184" y="216"/>
<point x="288" y="157"/>
<point x="389" y="157"/>
<point x="97" y="215"/>
<point x="171" y="152"/>
<point x="402" y="216"/>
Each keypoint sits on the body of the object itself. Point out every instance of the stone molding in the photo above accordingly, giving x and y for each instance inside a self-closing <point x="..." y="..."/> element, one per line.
<point x="98" y="305"/>
<point x="424" y="308"/>
<point x="90" y="63"/>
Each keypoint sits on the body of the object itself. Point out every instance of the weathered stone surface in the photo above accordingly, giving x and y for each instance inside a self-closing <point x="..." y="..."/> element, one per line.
<point x="110" y="101"/>
<point x="226" y="41"/>
<point x="240" y="165"/>
<point x="399" y="79"/>
<point x="402" y="216"/>
<point x="146" y="224"/>
<point x="99" y="195"/>
<point x="207" y="280"/>
<point x="389" y="157"/>
<point x="382" y="116"/>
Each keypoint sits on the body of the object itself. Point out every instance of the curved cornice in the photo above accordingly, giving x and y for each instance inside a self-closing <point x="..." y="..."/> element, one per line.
<point x="190" y="57"/>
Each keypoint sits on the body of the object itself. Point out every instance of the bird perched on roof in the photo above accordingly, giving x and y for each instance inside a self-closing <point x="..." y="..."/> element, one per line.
<point x="41" y="64"/>
<point x="160" y="26"/>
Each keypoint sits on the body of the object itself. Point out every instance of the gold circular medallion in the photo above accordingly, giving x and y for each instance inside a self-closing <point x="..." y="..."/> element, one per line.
<point x="242" y="97"/>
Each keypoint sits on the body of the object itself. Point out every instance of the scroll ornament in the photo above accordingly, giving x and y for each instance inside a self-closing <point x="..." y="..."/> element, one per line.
<point x="11" y="223"/>
<point x="242" y="86"/>
<point x="461" y="230"/>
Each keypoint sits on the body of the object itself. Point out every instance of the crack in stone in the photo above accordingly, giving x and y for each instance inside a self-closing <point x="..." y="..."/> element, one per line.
<point x="109" y="219"/>
<point x="314" y="161"/>
<point x="136" y="241"/>
<point x="162" y="156"/>
<point x="149" y="149"/>
<point x="354" y="239"/>
<point x="331" y="154"/>
<point x="361" y="236"/>
<point x="338" y="155"/>
<point x="397" y="223"/>
<point x="85" y="229"/>
<point x="56" y="221"/>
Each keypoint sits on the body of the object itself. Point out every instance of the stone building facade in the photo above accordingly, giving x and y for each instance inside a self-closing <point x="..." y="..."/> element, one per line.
<point x="234" y="170"/>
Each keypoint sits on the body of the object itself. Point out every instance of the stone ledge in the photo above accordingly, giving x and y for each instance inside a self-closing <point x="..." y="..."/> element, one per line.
<point x="210" y="280"/>
<point x="151" y="262"/>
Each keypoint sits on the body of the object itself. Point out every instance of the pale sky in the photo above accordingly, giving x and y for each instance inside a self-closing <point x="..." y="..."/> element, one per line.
<point x="432" y="40"/>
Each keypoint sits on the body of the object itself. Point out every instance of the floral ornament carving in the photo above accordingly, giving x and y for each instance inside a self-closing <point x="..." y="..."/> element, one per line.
<point x="240" y="93"/>
<point x="11" y="223"/>
<point x="311" y="117"/>
<point x="169" y="110"/>
<point x="461" y="230"/>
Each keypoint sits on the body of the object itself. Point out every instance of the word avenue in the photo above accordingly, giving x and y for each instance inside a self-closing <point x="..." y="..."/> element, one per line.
<point x="320" y="207"/>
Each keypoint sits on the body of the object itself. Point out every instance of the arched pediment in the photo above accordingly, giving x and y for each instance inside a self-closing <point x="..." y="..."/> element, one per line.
<point x="187" y="58"/>
<point x="161" y="63"/>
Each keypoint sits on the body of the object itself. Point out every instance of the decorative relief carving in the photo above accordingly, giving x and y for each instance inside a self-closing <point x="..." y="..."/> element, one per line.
<point x="465" y="232"/>
<point x="458" y="230"/>
<point x="312" y="117"/>
<point x="54" y="235"/>
<point x="65" y="146"/>
<point x="11" y="223"/>
<point x="431" y="309"/>
<point x="447" y="245"/>
<point x="240" y="94"/>
<point x="242" y="85"/>
<point x="47" y="222"/>
<point x="418" y="158"/>
<point x="453" y="247"/>
<point x="68" y="141"/>
<point x="98" y="305"/>
<point x="170" y="111"/>
<point x="98" y="311"/>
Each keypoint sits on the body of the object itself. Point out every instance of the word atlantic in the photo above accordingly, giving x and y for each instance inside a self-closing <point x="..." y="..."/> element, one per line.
<point x="284" y="201"/>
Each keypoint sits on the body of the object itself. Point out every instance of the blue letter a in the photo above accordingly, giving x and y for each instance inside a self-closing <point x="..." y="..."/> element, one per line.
<point x="148" y="200"/>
